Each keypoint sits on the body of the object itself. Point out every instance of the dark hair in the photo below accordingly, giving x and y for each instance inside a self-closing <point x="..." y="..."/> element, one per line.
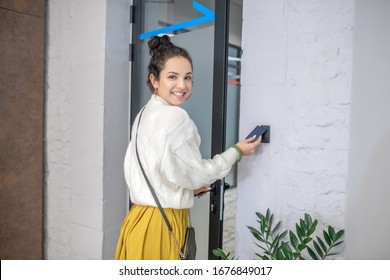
<point x="161" y="49"/>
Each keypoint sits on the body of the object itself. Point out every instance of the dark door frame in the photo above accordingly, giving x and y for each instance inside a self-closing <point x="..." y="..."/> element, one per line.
<point x="221" y="44"/>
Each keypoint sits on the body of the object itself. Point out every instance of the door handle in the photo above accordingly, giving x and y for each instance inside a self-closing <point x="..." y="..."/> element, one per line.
<point x="213" y="207"/>
<point x="213" y="190"/>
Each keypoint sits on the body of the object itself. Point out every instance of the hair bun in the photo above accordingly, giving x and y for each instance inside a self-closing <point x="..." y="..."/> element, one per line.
<point x="156" y="43"/>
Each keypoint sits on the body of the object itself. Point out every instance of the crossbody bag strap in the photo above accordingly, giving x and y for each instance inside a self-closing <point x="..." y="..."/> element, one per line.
<point x="152" y="190"/>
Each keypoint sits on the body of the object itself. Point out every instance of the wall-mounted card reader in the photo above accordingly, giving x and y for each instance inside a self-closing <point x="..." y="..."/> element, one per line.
<point x="261" y="130"/>
<point x="267" y="134"/>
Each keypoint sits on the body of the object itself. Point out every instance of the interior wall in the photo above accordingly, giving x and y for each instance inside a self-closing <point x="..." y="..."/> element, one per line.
<point x="87" y="123"/>
<point x="368" y="193"/>
<point x="296" y="77"/>
<point x="21" y="127"/>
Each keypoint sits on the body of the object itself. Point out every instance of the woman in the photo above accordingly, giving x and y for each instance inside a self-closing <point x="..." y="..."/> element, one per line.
<point x="168" y="145"/>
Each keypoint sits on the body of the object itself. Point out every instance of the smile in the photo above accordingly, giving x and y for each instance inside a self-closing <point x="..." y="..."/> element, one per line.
<point x="178" y="94"/>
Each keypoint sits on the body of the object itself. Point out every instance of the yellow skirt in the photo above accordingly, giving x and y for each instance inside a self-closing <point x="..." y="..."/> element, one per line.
<point x="144" y="234"/>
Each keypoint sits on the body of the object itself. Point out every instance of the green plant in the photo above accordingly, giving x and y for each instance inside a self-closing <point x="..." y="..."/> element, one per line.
<point x="275" y="246"/>
<point x="222" y="255"/>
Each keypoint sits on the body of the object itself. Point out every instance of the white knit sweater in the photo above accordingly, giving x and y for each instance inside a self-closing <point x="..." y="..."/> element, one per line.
<point x="168" y="146"/>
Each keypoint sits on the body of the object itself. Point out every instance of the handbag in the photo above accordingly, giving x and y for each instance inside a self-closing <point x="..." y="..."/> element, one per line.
<point x="188" y="251"/>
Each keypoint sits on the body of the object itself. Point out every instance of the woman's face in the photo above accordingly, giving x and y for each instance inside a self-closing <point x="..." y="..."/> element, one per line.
<point x="175" y="82"/>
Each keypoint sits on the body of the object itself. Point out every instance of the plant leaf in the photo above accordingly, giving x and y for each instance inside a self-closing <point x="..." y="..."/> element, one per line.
<point x="271" y="220"/>
<point x="296" y="255"/>
<point x="256" y="233"/>
<point x="278" y="237"/>
<point x="318" y="249"/>
<point x="332" y="233"/>
<point x="253" y="229"/>
<point x="267" y="214"/>
<point x="302" y="247"/>
<point x="279" y="255"/>
<point x="312" y="228"/>
<point x="258" y="245"/>
<point x="283" y="234"/>
<point x="267" y="252"/>
<point x="269" y="223"/>
<point x="287" y="252"/>
<point x="321" y="244"/>
<point x="293" y="239"/>
<point x="275" y="249"/>
<point x="263" y="225"/>
<point x="312" y="254"/>
<point x="327" y="238"/>
<point x="338" y="243"/>
<point x="286" y="247"/>
<point x="275" y="228"/>
<point x="339" y="234"/>
<point x="308" y="220"/>
<point x="303" y="226"/>
<point x="221" y="254"/>
<point x="259" y="215"/>
<point x="299" y="232"/>
<point x="307" y="240"/>
<point x="275" y="242"/>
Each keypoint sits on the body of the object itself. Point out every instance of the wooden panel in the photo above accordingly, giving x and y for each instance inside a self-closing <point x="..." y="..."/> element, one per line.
<point x="30" y="7"/>
<point x="21" y="129"/>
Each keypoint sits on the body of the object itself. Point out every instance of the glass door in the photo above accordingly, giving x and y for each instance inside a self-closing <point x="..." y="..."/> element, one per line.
<point x="192" y="26"/>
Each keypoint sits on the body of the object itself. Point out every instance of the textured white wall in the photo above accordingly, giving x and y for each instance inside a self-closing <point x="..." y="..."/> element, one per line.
<point x="87" y="81"/>
<point x="296" y="77"/>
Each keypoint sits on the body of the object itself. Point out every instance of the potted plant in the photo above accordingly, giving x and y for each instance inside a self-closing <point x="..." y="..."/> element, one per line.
<point x="290" y="245"/>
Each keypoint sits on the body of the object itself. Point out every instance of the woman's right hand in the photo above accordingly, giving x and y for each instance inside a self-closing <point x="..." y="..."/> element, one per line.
<point x="247" y="148"/>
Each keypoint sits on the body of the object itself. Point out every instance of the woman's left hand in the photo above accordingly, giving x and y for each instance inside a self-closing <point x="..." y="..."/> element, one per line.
<point x="201" y="191"/>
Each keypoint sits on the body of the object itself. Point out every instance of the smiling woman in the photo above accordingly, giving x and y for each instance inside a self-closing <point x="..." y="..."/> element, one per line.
<point x="167" y="145"/>
<point x="175" y="83"/>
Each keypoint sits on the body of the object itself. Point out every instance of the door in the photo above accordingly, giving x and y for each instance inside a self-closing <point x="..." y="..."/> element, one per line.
<point x="192" y="25"/>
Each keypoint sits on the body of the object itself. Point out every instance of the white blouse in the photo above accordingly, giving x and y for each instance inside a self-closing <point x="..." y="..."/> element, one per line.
<point x="168" y="146"/>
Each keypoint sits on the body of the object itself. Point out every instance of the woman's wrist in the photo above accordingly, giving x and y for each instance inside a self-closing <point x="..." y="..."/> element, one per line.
<point x="238" y="151"/>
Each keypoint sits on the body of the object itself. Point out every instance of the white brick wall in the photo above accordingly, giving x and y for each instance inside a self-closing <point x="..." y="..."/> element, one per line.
<point x="296" y="77"/>
<point x="87" y="101"/>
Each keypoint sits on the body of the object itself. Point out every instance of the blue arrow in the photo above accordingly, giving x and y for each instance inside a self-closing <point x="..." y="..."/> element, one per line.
<point x="208" y="16"/>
